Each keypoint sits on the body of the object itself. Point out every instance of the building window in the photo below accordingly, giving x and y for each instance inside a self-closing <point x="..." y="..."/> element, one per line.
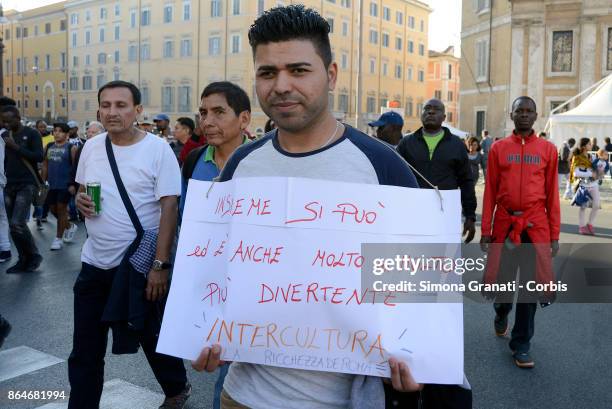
<point x="384" y="69"/>
<point x="87" y="83"/>
<point x="345" y="28"/>
<point x="74" y="19"/>
<point x="116" y="56"/>
<point x="7" y="34"/>
<point x="145" y="17"/>
<point x="75" y="60"/>
<point x="421" y="49"/>
<point x="168" y="13"/>
<point x="383" y="102"/>
<point x="411" y="46"/>
<point x="100" y="80"/>
<point x="450" y="71"/>
<point x="385" y="40"/>
<point x="373" y="36"/>
<point x="103" y="13"/>
<point x="62" y="25"/>
<point x="438" y="94"/>
<point x="47" y="28"/>
<point x="215" y="8"/>
<point x="555" y="104"/>
<point x="87" y="37"/>
<point x="480" y="6"/>
<point x="101" y="58"/>
<point x="235" y="43"/>
<point x="422" y="26"/>
<point x="562" y="47"/>
<point x="35" y="31"/>
<point x="482" y="56"/>
<point x="260" y="7"/>
<point x="117" y="10"/>
<point x="344" y="61"/>
<point x="421" y="76"/>
<point x="117" y="34"/>
<point x="398" y="43"/>
<point x="480" y="121"/>
<point x="398" y="71"/>
<point x="116" y="75"/>
<point x="371" y="105"/>
<point x="25" y="103"/>
<point x="133" y="18"/>
<point x="167" y="99"/>
<point x="330" y="22"/>
<point x="409" y="108"/>
<point x="399" y="17"/>
<point x="145" y="51"/>
<point x="345" y="3"/>
<point x="609" y="50"/>
<point x="63" y="84"/>
<point x="36" y="103"/>
<point x="102" y="34"/>
<point x="343" y="103"/>
<point x="168" y="48"/>
<point x="373" y="9"/>
<point x="74" y="39"/>
<point x="62" y="60"/>
<point x="184" y="99"/>
<point x="87" y="59"/>
<point x="144" y="95"/>
<point x="63" y="102"/>
<point x="372" y="66"/>
<point x="132" y="52"/>
<point x="236" y="7"/>
<point x="186" y="47"/>
<point x="87" y="105"/>
<point x="214" y="46"/>
<point x="387" y="13"/>
<point x="186" y="11"/>
<point x="47" y="62"/>
<point x="411" y="22"/>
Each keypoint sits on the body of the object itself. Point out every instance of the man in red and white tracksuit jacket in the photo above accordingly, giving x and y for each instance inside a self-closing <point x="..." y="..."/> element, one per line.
<point x="521" y="205"/>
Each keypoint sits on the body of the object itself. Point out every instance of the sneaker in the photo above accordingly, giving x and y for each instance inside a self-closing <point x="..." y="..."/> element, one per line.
<point x="5" y="330"/>
<point x="501" y="325"/>
<point x="5" y="256"/>
<point x="70" y="232"/>
<point x="523" y="360"/>
<point x="33" y="263"/>
<point x="591" y="229"/>
<point x="584" y="231"/>
<point x="18" y="267"/>
<point x="57" y="244"/>
<point x="39" y="225"/>
<point x="178" y="401"/>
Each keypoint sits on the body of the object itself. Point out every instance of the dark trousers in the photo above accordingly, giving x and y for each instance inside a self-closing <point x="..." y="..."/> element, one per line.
<point x="18" y="200"/>
<point x="86" y="362"/>
<point x="523" y="259"/>
<point x="431" y="397"/>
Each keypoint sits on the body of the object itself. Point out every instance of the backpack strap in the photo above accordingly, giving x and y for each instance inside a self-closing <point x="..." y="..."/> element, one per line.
<point x="191" y="160"/>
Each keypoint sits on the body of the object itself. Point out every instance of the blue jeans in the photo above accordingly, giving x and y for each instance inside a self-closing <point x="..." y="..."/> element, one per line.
<point x="18" y="200"/>
<point x="5" y="243"/>
<point x="219" y="386"/>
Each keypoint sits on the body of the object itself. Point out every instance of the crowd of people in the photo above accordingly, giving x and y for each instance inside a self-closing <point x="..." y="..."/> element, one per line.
<point x="144" y="179"/>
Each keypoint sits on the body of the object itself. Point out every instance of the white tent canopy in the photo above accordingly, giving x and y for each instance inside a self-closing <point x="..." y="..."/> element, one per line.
<point x="455" y="131"/>
<point x="591" y="119"/>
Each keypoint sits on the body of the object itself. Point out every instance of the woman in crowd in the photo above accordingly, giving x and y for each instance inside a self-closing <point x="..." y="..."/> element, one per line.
<point x="476" y="157"/>
<point x="581" y="172"/>
<point x="184" y="132"/>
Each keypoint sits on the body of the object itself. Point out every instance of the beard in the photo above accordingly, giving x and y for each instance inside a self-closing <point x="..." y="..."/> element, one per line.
<point x="300" y="119"/>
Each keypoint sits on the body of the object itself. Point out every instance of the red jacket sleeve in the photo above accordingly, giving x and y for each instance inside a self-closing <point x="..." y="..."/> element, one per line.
<point x="490" y="192"/>
<point x="553" y="209"/>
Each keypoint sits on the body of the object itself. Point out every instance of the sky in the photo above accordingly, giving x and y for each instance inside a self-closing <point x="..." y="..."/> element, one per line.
<point x="444" y="21"/>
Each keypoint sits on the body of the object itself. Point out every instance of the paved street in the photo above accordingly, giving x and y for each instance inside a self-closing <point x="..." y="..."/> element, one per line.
<point x="572" y="344"/>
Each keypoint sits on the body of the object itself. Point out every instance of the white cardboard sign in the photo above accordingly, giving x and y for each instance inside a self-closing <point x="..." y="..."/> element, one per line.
<point x="270" y="268"/>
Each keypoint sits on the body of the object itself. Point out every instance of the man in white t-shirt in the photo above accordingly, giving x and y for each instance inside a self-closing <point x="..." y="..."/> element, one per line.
<point x="152" y="179"/>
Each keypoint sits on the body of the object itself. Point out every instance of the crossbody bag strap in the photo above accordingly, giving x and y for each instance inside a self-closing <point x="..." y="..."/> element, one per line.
<point x="124" y="195"/>
<point x="28" y="165"/>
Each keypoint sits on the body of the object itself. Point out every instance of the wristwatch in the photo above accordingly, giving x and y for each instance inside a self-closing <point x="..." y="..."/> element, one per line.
<point x="159" y="265"/>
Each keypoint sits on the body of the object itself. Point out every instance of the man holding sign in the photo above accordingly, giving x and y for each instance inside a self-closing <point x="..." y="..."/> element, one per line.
<point x="294" y="74"/>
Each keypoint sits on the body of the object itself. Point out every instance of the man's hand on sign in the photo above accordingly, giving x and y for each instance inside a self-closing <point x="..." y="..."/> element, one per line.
<point x="157" y="284"/>
<point x="209" y="359"/>
<point x="401" y="378"/>
<point x="484" y="243"/>
<point x="469" y="227"/>
<point x="85" y="205"/>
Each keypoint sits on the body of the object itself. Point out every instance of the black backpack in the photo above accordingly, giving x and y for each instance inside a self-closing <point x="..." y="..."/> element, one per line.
<point x="190" y="161"/>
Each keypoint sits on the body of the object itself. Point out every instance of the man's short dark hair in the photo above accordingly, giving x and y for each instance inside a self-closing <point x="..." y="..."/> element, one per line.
<point x="188" y="122"/>
<point x="122" y="84"/>
<point x="571" y="142"/>
<point x="516" y="101"/>
<point x="235" y="96"/>
<point x="294" y="22"/>
<point x="607" y="139"/>
<point x="11" y="108"/>
<point x="6" y="101"/>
